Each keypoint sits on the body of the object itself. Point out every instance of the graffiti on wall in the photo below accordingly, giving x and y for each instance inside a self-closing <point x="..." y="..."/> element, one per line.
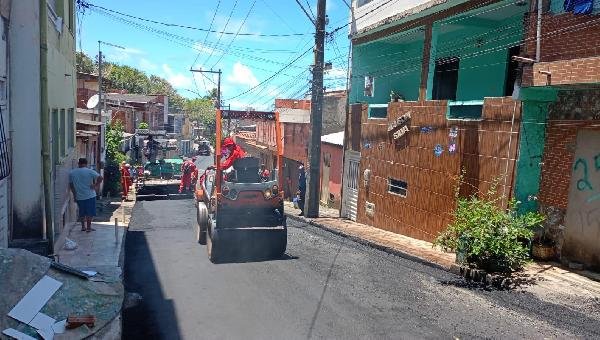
<point x="583" y="182"/>
<point x="452" y="135"/>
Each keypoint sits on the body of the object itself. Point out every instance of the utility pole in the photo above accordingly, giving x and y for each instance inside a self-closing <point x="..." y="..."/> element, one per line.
<point x="316" y="118"/>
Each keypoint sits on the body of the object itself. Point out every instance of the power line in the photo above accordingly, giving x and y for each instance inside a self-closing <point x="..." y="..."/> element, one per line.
<point x="183" y="41"/>
<point x="235" y="36"/>
<point x="209" y="28"/>
<point x="272" y="76"/>
<point x="90" y="5"/>
<point x="221" y="36"/>
<point x="305" y="12"/>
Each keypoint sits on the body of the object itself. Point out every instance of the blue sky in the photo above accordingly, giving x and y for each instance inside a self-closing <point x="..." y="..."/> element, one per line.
<point x="170" y="51"/>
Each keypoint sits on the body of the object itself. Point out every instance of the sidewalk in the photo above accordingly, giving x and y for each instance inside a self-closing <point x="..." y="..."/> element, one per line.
<point x="101" y="251"/>
<point x="543" y="277"/>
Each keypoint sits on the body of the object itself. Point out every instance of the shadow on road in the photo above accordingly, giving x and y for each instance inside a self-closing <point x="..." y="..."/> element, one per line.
<point x="154" y="316"/>
<point x="246" y="257"/>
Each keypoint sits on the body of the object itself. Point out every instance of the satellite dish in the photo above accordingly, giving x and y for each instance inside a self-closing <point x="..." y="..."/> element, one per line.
<point x="93" y="101"/>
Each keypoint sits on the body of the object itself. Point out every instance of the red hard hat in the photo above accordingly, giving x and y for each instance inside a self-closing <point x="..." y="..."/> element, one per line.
<point x="228" y="142"/>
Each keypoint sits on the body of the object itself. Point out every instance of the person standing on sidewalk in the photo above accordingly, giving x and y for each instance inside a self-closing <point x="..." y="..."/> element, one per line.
<point x="301" y="188"/>
<point x="84" y="184"/>
<point x="125" y="180"/>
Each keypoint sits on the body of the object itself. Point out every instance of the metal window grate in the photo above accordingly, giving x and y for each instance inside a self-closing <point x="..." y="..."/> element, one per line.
<point x="397" y="187"/>
<point x="4" y="151"/>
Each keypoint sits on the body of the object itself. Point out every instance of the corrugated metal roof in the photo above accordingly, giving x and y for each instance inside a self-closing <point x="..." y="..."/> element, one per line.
<point x="130" y="97"/>
<point x="89" y="122"/>
<point x="336" y="138"/>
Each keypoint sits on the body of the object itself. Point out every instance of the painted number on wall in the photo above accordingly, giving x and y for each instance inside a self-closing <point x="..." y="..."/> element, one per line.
<point x="584" y="183"/>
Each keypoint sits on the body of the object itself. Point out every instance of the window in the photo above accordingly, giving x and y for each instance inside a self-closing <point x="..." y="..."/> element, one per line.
<point x="55" y="134"/>
<point x="470" y="109"/>
<point x="61" y="134"/>
<point x="445" y="79"/>
<point x="397" y="187"/>
<point x="362" y="2"/>
<point x="512" y="71"/>
<point x="378" y="111"/>
<point x="369" y="86"/>
<point x="71" y="128"/>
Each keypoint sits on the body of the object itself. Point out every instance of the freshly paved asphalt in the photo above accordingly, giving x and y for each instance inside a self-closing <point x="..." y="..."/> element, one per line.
<point x="325" y="287"/>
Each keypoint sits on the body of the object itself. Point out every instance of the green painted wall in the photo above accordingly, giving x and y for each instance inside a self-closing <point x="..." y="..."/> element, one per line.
<point x="531" y="145"/>
<point x="478" y="38"/>
<point x="482" y="46"/>
<point x="395" y="62"/>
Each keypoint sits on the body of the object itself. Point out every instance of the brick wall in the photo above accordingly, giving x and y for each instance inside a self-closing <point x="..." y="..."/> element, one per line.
<point x="573" y="71"/>
<point x="486" y="149"/>
<point x="565" y="36"/>
<point x="303" y="104"/>
<point x="573" y="110"/>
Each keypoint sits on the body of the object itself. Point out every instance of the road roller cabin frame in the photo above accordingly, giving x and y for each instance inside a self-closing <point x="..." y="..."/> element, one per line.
<point x="239" y="217"/>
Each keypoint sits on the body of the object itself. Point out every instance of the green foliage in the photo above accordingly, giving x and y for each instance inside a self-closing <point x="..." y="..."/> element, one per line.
<point x="114" y="157"/>
<point x="489" y="237"/>
<point x="84" y="63"/>
<point x="143" y="125"/>
<point x="203" y="111"/>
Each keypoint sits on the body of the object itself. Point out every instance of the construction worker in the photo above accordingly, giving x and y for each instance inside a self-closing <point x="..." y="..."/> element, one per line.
<point x="194" y="179"/>
<point x="187" y="169"/>
<point x="232" y="151"/>
<point x="125" y="180"/>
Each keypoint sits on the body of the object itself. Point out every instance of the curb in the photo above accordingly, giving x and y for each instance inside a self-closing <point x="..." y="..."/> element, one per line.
<point x="454" y="269"/>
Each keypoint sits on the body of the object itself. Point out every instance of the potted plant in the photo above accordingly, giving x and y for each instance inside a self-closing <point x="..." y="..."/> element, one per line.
<point x="487" y="237"/>
<point x="395" y="96"/>
<point x="543" y="246"/>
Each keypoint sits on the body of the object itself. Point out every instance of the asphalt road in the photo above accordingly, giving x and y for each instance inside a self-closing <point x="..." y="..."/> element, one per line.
<point x="325" y="287"/>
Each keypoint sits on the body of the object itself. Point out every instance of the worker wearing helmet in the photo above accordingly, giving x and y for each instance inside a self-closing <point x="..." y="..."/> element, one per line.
<point x="233" y="152"/>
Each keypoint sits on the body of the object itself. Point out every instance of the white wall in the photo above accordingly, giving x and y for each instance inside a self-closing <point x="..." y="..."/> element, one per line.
<point x="24" y="59"/>
<point x="375" y="12"/>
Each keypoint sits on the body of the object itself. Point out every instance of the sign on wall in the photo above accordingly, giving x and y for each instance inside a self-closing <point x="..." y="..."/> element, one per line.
<point x="399" y="127"/>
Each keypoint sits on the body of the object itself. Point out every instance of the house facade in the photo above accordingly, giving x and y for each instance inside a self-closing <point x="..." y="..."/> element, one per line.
<point x="431" y="100"/>
<point x="43" y="103"/>
<point x="558" y="172"/>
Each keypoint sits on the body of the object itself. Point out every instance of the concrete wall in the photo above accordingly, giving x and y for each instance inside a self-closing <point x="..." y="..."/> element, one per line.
<point x="335" y="173"/>
<point x="334" y="112"/>
<point x="4" y="107"/>
<point x="27" y="188"/>
<point x="62" y="94"/>
<point x="395" y="64"/>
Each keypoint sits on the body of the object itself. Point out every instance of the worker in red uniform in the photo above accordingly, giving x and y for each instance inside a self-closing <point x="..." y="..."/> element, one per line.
<point x="233" y="151"/>
<point x="125" y="180"/>
<point x="194" y="179"/>
<point x="187" y="169"/>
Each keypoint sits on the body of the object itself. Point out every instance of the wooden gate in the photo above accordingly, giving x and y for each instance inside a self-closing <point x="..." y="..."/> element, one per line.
<point x="351" y="178"/>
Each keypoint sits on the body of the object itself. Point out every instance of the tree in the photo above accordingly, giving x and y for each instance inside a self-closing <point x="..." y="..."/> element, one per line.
<point x="84" y="63"/>
<point x="203" y="111"/>
<point x="128" y="78"/>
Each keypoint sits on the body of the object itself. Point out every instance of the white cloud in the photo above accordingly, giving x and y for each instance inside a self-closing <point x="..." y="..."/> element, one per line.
<point x="178" y="80"/>
<point x="336" y="72"/>
<point x="120" y="55"/>
<point x="242" y="75"/>
<point x="148" y="66"/>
